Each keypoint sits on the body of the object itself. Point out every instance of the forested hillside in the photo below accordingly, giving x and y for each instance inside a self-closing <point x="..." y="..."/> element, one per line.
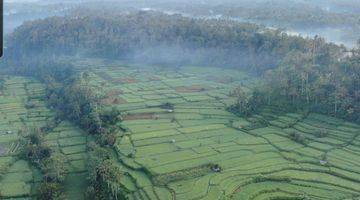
<point x="304" y="72"/>
<point x="159" y="38"/>
<point x="303" y="82"/>
<point x="172" y="107"/>
<point x="332" y="88"/>
<point x="337" y="21"/>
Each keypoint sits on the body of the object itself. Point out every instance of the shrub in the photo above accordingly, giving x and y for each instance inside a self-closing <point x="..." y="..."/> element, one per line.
<point x="29" y="105"/>
<point x="54" y="168"/>
<point x="50" y="190"/>
<point x="35" y="139"/>
<point x="262" y="178"/>
<point x="107" y="139"/>
<point x="297" y="137"/>
<point x="167" y="106"/>
<point x="321" y="133"/>
<point x="104" y="174"/>
<point x="110" y="117"/>
<point x="35" y="154"/>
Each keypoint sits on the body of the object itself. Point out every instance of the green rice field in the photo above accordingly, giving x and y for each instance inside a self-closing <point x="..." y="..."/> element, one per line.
<point x="179" y="142"/>
<point x="22" y="106"/>
<point x="169" y="152"/>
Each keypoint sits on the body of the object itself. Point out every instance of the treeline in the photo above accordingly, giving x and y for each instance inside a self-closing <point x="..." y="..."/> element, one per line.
<point x="157" y="38"/>
<point x="298" y="73"/>
<point x="35" y="150"/>
<point x="68" y="93"/>
<point x="306" y="73"/>
<point x="51" y="164"/>
<point x="307" y="81"/>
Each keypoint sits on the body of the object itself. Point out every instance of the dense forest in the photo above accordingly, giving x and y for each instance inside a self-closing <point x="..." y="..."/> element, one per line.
<point x="296" y="73"/>
<point x="323" y="76"/>
<point x="304" y="81"/>
<point x="338" y="21"/>
<point x="155" y="38"/>
<point x="302" y="71"/>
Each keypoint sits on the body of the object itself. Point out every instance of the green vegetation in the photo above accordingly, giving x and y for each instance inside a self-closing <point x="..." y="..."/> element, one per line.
<point x="170" y="149"/>
<point x="30" y="134"/>
<point x="310" y="82"/>
<point x="18" y="178"/>
<point x="176" y="139"/>
<point x="142" y="36"/>
<point x="52" y="167"/>
<point x="314" y="75"/>
<point x="100" y="129"/>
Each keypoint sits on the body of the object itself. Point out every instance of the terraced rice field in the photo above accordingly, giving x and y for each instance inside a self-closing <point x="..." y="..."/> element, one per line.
<point x="179" y="142"/>
<point x="71" y="142"/>
<point x="178" y="129"/>
<point x="22" y="107"/>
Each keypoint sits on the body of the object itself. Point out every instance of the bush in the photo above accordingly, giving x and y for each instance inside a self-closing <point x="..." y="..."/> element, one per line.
<point x="51" y="165"/>
<point x="321" y="133"/>
<point x="50" y="190"/>
<point x="36" y="153"/>
<point x="35" y="139"/>
<point x="107" y="139"/>
<point x="29" y="105"/>
<point x="110" y="117"/>
<point x="262" y="178"/>
<point x="167" y="106"/>
<point x="297" y="137"/>
<point x="104" y="173"/>
<point x="54" y="168"/>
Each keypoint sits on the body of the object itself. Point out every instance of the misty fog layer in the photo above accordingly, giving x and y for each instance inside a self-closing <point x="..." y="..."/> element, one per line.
<point x="178" y="56"/>
<point x="134" y="101"/>
<point x="336" y="21"/>
<point x="154" y="38"/>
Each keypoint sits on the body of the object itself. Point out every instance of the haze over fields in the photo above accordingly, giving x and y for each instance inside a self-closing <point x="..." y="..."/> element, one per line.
<point x="180" y="99"/>
<point x="337" y="21"/>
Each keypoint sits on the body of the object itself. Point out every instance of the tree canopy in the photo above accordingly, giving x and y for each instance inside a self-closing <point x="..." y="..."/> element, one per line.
<point x="155" y="37"/>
